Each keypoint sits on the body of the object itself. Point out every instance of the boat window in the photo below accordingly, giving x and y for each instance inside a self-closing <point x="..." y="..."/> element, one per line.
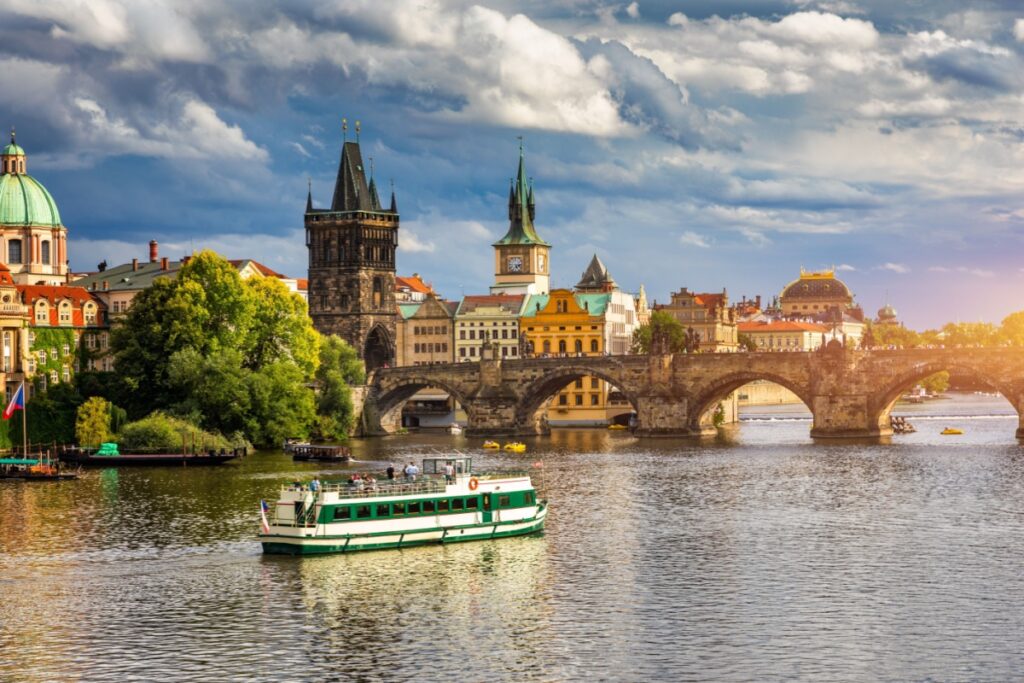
<point x="487" y="502"/>
<point x="529" y="498"/>
<point x="428" y="506"/>
<point x="471" y="503"/>
<point x="343" y="512"/>
<point x="383" y="510"/>
<point x="414" y="508"/>
<point x="362" y="511"/>
<point x="442" y="505"/>
<point x="456" y="503"/>
<point x="503" y="501"/>
<point x="398" y="509"/>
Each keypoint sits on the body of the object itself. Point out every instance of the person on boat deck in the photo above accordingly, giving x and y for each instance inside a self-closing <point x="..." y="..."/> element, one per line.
<point x="449" y="473"/>
<point x="391" y="471"/>
<point x="369" y="482"/>
<point x="314" y="485"/>
<point x="411" y="471"/>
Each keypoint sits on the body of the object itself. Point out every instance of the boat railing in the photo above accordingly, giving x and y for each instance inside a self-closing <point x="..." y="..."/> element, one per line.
<point x="399" y="487"/>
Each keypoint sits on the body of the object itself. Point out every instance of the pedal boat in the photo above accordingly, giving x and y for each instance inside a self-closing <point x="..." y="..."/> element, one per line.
<point x="433" y="509"/>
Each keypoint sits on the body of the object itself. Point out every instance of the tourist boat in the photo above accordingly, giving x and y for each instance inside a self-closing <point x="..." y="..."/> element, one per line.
<point x="491" y="444"/>
<point x="33" y="469"/>
<point x="337" y="518"/>
<point x="291" y="442"/>
<point x="516" y="447"/>
<point x="89" y="457"/>
<point x="454" y="428"/>
<point x="616" y="427"/>
<point x="952" y="430"/>
<point x="327" y="453"/>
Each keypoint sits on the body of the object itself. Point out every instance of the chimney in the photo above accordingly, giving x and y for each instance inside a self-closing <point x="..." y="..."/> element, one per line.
<point x="106" y="285"/>
<point x="758" y="300"/>
<point x="153" y="251"/>
<point x="164" y="263"/>
<point x="135" y="264"/>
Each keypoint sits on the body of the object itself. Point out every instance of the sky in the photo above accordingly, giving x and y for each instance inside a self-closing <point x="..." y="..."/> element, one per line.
<point x="700" y="144"/>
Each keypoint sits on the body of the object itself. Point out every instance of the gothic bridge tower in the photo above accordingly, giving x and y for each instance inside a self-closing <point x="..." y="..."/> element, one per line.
<point x="352" y="262"/>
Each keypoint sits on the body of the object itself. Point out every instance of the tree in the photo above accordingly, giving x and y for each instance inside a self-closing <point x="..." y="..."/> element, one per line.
<point x="92" y="422"/>
<point x="340" y="368"/>
<point x="281" y="327"/>
<point x="937" y="383"/>
<point x="747" y="342"/>
<point x="662" y="334"/>
<point x="1012" y="330"/>
<point x="894" y="335"/>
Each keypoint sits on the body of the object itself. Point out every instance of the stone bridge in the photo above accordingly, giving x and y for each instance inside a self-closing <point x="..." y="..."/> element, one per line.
<point x="850" y="393"/>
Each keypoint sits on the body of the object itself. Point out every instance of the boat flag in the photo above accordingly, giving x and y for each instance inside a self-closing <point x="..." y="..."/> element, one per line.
<point x="17" y="402"/>
<point x="539" y="463"/>
<point x="264" y="508"/>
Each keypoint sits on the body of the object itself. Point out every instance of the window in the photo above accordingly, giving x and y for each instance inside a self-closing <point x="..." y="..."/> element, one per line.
<point x="67" y="349"/>
<point x="594" y="383"/>
<point x="593" y="346"/>
<point x="456" y="503"/>
<point x="442" y="505"/>
<point x="579" y="399"/>
<point x="462" y="334"/>
<point x="414" y="508"/>
<point x="343" y="513"/>
<point x="45" y="252"/>
<point x="14" y="251"/>
<point x="42" y="356"/>
<point x="561" y="346"/>
<point x="595" y="399"/>
<point x="579" y="346"/>
<point x="398" y="509"/>
<point x="428" y="506"/>
<point x="383" y="510"/>
<point x="528" y="498"/>
<point x="42" y="314"/>
<point x="503" y="501"/>
<point x="362" y="511"/>
<point x="547" y="346"/>
<point x="53" y="376"/>
<point x="65" y="374"/>
<point x="471" y="503"/>
<point x="579" y="383"/>
<point x="462" y="352"/>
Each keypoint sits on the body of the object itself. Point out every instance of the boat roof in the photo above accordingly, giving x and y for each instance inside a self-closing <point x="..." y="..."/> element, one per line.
<point x="18" y="461"/>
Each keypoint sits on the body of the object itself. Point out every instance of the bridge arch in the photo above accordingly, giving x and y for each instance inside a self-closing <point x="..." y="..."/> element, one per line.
<point x="704" y="399"/>
<point x="392" y="396"/>
<point x="884" y="399"/>
<point x="530" y="410"/>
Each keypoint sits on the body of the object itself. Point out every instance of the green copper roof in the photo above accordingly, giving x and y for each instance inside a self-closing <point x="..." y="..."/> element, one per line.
<point x="24" y="201"/>
<point x="592" y="303"/>
<point x="12" y="149"/>
<point x="521" y="211"/>
<point x="409" y="310"/>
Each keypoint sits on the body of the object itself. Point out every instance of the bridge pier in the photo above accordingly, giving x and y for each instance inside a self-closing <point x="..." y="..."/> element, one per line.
<point x="666" y="416"/>
<point x="847" y="416"/>
<point x="492" y="415"/>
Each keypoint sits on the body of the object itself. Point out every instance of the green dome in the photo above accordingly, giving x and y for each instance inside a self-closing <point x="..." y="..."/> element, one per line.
<point x="24" y="201"/>
<point x="12" y="149"/>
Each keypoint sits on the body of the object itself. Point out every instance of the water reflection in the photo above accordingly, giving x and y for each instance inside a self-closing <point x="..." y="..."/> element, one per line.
<point x="758" y="556"/>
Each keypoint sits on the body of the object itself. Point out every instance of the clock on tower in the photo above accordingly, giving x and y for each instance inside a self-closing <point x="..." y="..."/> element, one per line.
<point x="520" y="257"/>
<point x="515" y="264"/>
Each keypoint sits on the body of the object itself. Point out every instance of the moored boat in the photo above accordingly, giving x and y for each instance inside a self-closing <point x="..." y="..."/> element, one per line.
<point x="446" y="504"/>
<point x="322" y="453"/>
<point x="454" y="428"/>
<point x="33" y="469"/>
<point x="951" y="431"/>
<point x="87" y="457"/>
<point x="491" y="444"/>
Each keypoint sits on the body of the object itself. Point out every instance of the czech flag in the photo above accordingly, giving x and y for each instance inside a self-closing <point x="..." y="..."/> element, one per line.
<point x="264" y="509"/>
<point x="17" y="402"/>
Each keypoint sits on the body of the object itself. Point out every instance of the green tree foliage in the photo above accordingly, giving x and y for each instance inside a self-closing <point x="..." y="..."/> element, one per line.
<point x="92" y="422"/>
<point x="340" y="368"/>
<point x="970" y="334"/>
<point x="162" y="432"/>
<point x="50" y="416"/>
<point x="1012" y="330"/>
<point x="937" y="383"/>
<point x="663" y="334"/>
<point x="233" y="356"/>
<point x="747" y="342"/>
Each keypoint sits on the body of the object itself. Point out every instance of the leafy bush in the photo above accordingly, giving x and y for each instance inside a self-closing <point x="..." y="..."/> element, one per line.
<point x="160" y="431"/>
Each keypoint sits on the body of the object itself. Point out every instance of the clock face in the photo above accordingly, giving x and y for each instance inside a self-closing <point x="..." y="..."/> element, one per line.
<point x="540" y="262"/>
<point x="515" y="264"/>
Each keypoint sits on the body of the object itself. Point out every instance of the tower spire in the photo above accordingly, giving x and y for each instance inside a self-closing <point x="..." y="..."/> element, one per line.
<point x="394" y="202"/>
<point x="309" y="195"/>
<point x="521" y="209"/>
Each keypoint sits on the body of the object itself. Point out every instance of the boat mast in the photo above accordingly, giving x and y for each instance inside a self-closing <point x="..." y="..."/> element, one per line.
<point x="24" y="420"/>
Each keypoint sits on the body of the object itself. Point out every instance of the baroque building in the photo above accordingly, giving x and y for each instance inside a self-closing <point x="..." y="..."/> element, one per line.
<point x="352" y="263"/>
<point x="709" y="315"/>
<point x="521" y="264"/>
<point x="33" y="241"/>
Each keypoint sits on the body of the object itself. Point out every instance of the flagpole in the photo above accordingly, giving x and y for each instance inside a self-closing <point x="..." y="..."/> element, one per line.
<point x="24" y="420"/>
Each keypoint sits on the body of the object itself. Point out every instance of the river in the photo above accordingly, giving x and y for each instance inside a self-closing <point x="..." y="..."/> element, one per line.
<point x="757" y="556"/>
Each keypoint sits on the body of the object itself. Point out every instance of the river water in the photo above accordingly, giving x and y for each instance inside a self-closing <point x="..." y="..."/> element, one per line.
<point x="758" y="556"/>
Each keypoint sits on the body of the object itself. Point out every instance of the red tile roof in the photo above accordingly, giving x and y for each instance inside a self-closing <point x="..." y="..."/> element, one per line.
<point x="301" y="284"/>
<point x="780" y="326"/>
<point x="413" y="283"/>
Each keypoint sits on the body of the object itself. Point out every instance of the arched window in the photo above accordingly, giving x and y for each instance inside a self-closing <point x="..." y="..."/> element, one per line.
<point x="547" y="346"/>
<point x="561" y="346"/>
<point x="593" y="346"/>
<point x="378" y="292"/>
<point x="45" y="252"/>
<point x="14" y="251"/>
<point x="579" y="346"/>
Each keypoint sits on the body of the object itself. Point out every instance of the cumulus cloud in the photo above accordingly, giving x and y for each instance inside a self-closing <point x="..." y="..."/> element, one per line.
<point x="845" y="268"/>
<point x="899" y="268"/>
<point x="1018" y="30"/>
<point x="693" y="239"/>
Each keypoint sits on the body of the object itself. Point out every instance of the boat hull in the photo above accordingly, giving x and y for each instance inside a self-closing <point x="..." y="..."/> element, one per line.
<point x="388" y="540"/>
<point x="144" y="460"/>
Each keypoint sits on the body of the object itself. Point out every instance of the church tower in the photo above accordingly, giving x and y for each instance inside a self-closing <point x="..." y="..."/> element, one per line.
<point x="521" y="264"/>
<point x="352" y="262"/>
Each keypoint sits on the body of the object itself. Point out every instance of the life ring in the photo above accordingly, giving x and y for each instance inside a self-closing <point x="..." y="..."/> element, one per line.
<point x="473" y="483"/>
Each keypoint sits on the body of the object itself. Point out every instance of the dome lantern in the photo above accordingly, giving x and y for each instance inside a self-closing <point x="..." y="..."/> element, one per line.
<point x="12" y="158"/>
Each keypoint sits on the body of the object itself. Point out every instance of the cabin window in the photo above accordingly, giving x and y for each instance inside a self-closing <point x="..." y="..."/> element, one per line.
<point x="383" y="510"/>
<point x="487" y="502"/>
<point x="442" y="505"/>
<point x="414" y="508"/>
<point x="529" y="498"/>
<point x="503" y="501"/>
<point x="428" y="506"/>
<point x="456" y="504"/>
<point x="343" y="513"/>
<point x="471" y="503"/>
<point x="362" y="511"/>
<point x="398" y="509"/>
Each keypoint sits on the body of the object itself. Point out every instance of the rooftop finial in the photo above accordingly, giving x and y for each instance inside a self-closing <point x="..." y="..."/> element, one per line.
<point x="357" y="130"/>
<point x="520" y="138"/>
<point x="344" y="130"/>
<point x="12" y="135"/>
<point x="371" y="168"/>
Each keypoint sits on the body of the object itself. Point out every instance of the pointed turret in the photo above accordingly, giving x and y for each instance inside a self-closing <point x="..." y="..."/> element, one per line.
<point x="374" y="197"/>
<point x="596" y="278"/>
<point x="309" y="196"/>
<point x="521" y="210"/>
<point x="394" y="202"/>
<point x="351" y="193"/>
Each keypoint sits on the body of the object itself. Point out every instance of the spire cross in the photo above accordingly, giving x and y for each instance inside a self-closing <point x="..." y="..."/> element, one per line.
<point x="371" y="168"/>
<point x="520" y="138"/>
<point x="12" y="134"/>
<point x="344" y="130"/>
